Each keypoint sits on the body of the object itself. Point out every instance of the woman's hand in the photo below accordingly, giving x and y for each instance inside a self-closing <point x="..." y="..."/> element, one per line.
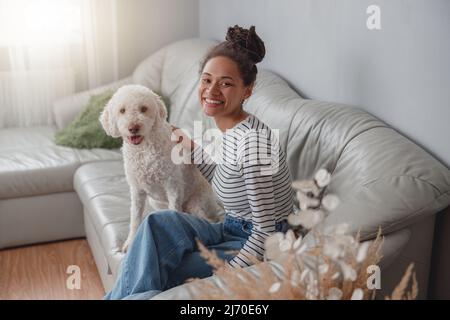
<point x="183" y="138"/>
<point x="176" y="133"/>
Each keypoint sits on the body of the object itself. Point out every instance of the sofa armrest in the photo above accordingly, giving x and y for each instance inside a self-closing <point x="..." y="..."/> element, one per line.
<point x="67" y="108"/>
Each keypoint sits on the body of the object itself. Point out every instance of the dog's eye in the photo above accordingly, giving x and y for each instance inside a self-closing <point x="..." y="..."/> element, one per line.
<point x="144" y="109"/>
<point x="122" y="110"/>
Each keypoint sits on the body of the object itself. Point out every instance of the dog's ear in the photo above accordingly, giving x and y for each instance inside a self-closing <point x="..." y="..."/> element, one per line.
<point x="108" y="122"/>
<point x="162" y="110"/>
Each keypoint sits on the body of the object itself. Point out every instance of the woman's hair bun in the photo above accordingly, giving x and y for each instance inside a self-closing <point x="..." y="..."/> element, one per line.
<point x="247" y="40"/>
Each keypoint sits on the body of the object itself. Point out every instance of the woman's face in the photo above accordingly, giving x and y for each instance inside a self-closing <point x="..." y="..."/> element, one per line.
<point x="222" y="89"/>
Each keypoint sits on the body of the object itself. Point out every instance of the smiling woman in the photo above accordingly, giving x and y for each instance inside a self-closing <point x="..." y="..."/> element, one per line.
<point x="222" y="90"/>
<point x="228" y="74"/>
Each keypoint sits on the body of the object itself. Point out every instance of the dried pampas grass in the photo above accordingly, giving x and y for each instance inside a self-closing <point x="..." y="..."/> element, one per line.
<point x="400" y="292"/>
<point x="293" y="279"/>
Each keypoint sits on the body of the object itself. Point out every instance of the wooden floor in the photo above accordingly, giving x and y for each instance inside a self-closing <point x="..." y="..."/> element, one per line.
<point x="40" y="272"/>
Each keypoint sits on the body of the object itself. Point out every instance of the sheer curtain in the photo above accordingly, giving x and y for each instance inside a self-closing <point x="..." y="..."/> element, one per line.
<point x="49" y="49"/>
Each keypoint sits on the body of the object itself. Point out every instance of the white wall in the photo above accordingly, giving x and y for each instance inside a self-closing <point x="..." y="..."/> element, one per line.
<point x="144" y="26"/>
<point x="401" y="73"/>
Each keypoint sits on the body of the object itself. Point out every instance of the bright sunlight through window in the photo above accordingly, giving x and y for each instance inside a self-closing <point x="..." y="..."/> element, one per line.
<point x="40" y="22"/>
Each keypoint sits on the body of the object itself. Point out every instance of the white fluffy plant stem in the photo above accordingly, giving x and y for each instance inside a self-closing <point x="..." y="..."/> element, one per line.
<point x="330" y="249"/>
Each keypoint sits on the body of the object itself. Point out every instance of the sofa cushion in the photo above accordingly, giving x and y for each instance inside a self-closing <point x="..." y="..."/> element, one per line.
<point x="31" y="164"/>
<point x="104" y="192"/>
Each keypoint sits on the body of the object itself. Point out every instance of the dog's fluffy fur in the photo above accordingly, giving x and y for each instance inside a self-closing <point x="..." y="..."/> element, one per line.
<point x="138" y="115"/>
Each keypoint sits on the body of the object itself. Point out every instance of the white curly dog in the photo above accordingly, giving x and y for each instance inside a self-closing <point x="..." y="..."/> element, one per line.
<point x="138" y="115"/>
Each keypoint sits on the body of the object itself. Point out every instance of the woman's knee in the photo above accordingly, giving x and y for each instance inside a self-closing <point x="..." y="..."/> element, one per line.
<point x="162" y="217"/>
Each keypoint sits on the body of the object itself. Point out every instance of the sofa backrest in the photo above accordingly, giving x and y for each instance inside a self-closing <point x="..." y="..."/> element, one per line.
<point x="382" y="178"/>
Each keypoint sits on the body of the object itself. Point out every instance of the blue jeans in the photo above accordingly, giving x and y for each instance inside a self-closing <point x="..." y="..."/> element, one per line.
<point x="164" y="252"/>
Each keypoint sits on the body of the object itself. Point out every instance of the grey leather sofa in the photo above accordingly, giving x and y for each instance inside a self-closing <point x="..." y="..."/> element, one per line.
<point x="382" y="178"/>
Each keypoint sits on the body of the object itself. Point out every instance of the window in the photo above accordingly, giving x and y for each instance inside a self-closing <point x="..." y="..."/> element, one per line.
<point x="40" y="22"/>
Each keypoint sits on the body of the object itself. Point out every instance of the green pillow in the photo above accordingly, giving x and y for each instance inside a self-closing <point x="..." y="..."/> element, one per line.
<point x="85" y="131"/>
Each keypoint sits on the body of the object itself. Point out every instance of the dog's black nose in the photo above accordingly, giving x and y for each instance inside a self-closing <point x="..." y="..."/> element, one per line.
<point x="134" y="129"/>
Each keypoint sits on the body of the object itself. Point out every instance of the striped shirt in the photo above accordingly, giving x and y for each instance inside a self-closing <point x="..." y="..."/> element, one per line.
<point x="251" y="179"/>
